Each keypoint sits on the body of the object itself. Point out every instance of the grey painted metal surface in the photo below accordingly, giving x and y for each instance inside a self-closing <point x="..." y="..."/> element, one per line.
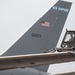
<point x="24" y="71"/>
<point x="44" y="34"/>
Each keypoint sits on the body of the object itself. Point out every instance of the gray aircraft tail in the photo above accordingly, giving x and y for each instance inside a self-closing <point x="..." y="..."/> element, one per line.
<point x="44" y="34"/>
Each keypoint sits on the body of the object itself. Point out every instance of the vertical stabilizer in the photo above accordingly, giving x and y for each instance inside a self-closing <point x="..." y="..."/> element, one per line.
<point x="44" y="34"/>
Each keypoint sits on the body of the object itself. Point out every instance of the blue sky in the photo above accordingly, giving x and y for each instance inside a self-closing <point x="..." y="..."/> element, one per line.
<point x="17" y="16"/>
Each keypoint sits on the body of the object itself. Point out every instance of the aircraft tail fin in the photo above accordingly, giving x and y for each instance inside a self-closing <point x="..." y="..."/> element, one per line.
<point x="44" y="34"/>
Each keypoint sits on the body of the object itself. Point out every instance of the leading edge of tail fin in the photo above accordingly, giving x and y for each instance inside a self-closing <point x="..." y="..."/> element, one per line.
<point x="44" y="34"/>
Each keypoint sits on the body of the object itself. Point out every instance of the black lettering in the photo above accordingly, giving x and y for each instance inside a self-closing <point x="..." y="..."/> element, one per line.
<point x="36" y="35"/>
